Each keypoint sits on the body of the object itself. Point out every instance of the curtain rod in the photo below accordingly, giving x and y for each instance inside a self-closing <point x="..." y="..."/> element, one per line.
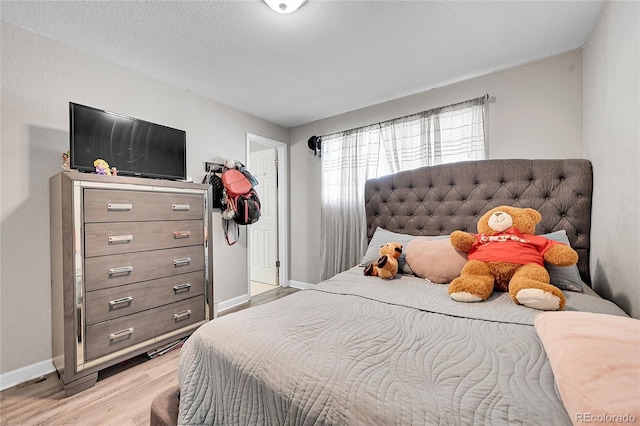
<point x="483" y="98"/>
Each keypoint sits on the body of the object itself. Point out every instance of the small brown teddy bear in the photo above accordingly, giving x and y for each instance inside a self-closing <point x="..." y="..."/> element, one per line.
<point x="508" y="256"/>
<point x="387" y="265"/>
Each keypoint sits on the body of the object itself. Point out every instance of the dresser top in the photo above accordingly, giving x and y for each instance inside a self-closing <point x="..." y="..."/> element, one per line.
<point x="91" y="177"/>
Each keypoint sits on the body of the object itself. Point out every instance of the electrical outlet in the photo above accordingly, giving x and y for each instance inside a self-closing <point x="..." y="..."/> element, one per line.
<point x="208" y="166"/>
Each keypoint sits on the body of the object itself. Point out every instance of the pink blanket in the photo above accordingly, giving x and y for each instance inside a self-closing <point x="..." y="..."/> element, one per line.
<point x="595" y="359"/>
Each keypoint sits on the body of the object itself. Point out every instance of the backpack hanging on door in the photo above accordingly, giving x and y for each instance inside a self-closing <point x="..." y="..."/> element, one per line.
<point x="235" y="183"/>
<point x="242" y="204"/>
<point x="246" y="208"/>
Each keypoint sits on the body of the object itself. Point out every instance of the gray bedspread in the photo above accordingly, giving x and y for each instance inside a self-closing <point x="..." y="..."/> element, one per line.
<point x="362" y="351"/>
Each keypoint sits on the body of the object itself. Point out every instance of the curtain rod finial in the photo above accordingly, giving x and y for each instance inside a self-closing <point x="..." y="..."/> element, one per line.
<point x="314" y="144"/>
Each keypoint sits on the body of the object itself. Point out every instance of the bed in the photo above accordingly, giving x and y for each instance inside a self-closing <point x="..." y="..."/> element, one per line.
<point x="359" y="350"/>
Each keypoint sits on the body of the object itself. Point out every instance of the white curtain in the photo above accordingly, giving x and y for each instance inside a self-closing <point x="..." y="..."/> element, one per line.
<point x="349" y="159"/>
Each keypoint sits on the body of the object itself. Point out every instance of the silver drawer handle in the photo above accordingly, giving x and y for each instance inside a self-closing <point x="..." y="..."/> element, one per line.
<point x="127" y="300"/>
<point x="120" y="238"/>
<point x="119" y="206"/>
<point x="182" y="262"/>
<point x="182" y="314"/>
<point x="181" y="234"/>
<point x="180" y="207"/>
<point x="121" y="270"/>
<point x="121" y="333"/>
<point x="185" y="286"/>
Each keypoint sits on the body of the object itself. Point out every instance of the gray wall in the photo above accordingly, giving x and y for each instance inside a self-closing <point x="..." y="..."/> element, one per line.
<point x="537" y="114"/>
<point x="39" y="78"/>
<point x="612" y="143"/>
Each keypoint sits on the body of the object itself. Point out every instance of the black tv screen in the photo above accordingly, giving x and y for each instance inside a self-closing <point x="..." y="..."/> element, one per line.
<point x="134" y="147"/>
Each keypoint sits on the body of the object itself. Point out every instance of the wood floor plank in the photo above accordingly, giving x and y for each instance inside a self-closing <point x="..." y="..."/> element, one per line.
<point x="121" y="397"/>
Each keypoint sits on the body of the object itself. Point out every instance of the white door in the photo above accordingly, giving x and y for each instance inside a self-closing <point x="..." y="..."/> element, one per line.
<point x="264" y="233"/>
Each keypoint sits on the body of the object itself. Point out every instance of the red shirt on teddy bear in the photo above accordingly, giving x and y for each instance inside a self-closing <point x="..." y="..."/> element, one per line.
<point x="510" y="246"/>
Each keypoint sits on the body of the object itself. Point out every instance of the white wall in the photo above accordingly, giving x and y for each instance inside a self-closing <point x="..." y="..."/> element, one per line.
<point x="612" y="143"/>
<point x="39" y="78"/>
<point x="537" y="114"/>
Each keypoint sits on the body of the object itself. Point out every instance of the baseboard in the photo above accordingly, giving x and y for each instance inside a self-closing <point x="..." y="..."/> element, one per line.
<point x="30" y="372"/>
<point x="232" y="303"/>
<point x="24" y="374"/>
<point x="301" y="285"/>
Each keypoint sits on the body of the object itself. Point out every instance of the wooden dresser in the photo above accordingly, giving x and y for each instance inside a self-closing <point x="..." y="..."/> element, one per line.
<point x="130" y="269"/>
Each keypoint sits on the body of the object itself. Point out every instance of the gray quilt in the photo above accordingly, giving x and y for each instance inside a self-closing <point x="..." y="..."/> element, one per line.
<point x="358" y="350"/>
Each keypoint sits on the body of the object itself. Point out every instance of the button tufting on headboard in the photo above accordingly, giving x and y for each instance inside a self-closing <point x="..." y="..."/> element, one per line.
<point x="443" y="198"/>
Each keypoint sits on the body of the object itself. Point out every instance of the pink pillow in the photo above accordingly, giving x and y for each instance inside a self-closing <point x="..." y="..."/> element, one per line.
<point x="595" y="359"/>
<point x="434" y="259"/>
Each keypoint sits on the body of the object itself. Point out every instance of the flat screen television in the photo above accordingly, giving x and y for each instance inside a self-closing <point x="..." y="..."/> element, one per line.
<point x="134" y="147"/>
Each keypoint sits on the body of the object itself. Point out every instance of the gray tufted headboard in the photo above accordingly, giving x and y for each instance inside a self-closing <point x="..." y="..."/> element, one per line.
<point x="438" y="200"/>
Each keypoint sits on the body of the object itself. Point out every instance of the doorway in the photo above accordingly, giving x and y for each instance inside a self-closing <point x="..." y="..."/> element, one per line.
<point x="267" y="238"/>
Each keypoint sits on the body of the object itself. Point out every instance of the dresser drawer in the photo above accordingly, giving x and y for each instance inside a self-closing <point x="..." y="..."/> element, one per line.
<point x="125" y="237"/>
<point x="101" y="205"/>
<point x="120" y="269"/>
<point x="115" y="302"/>
<point x="120" y="333"/>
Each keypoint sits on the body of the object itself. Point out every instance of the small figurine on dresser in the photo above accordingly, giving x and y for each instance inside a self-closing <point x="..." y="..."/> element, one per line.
<point x="102" y="167"/>
<point x="66" y="161"/>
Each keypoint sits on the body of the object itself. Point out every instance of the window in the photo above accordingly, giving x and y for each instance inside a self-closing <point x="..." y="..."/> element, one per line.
<point x="349" y="159"/>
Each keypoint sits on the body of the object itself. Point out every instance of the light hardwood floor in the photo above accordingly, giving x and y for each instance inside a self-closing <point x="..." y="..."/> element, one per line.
<point x="258" y="287"/>
<point x="121" y="397"/>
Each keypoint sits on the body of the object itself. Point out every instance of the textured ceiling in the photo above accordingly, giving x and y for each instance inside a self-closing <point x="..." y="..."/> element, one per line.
<point x="327" y="58"/>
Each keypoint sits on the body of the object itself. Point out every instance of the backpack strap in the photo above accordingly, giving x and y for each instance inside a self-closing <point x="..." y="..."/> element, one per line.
<point x="226" y="232"/>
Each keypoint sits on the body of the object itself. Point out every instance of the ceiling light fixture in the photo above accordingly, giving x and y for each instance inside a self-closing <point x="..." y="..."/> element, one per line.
<point x="284" y="6"/>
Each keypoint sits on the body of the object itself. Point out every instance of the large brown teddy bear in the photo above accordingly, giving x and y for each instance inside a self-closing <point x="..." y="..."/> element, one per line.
<point x="387" y="265"/>
<point x="506" y="255"/>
